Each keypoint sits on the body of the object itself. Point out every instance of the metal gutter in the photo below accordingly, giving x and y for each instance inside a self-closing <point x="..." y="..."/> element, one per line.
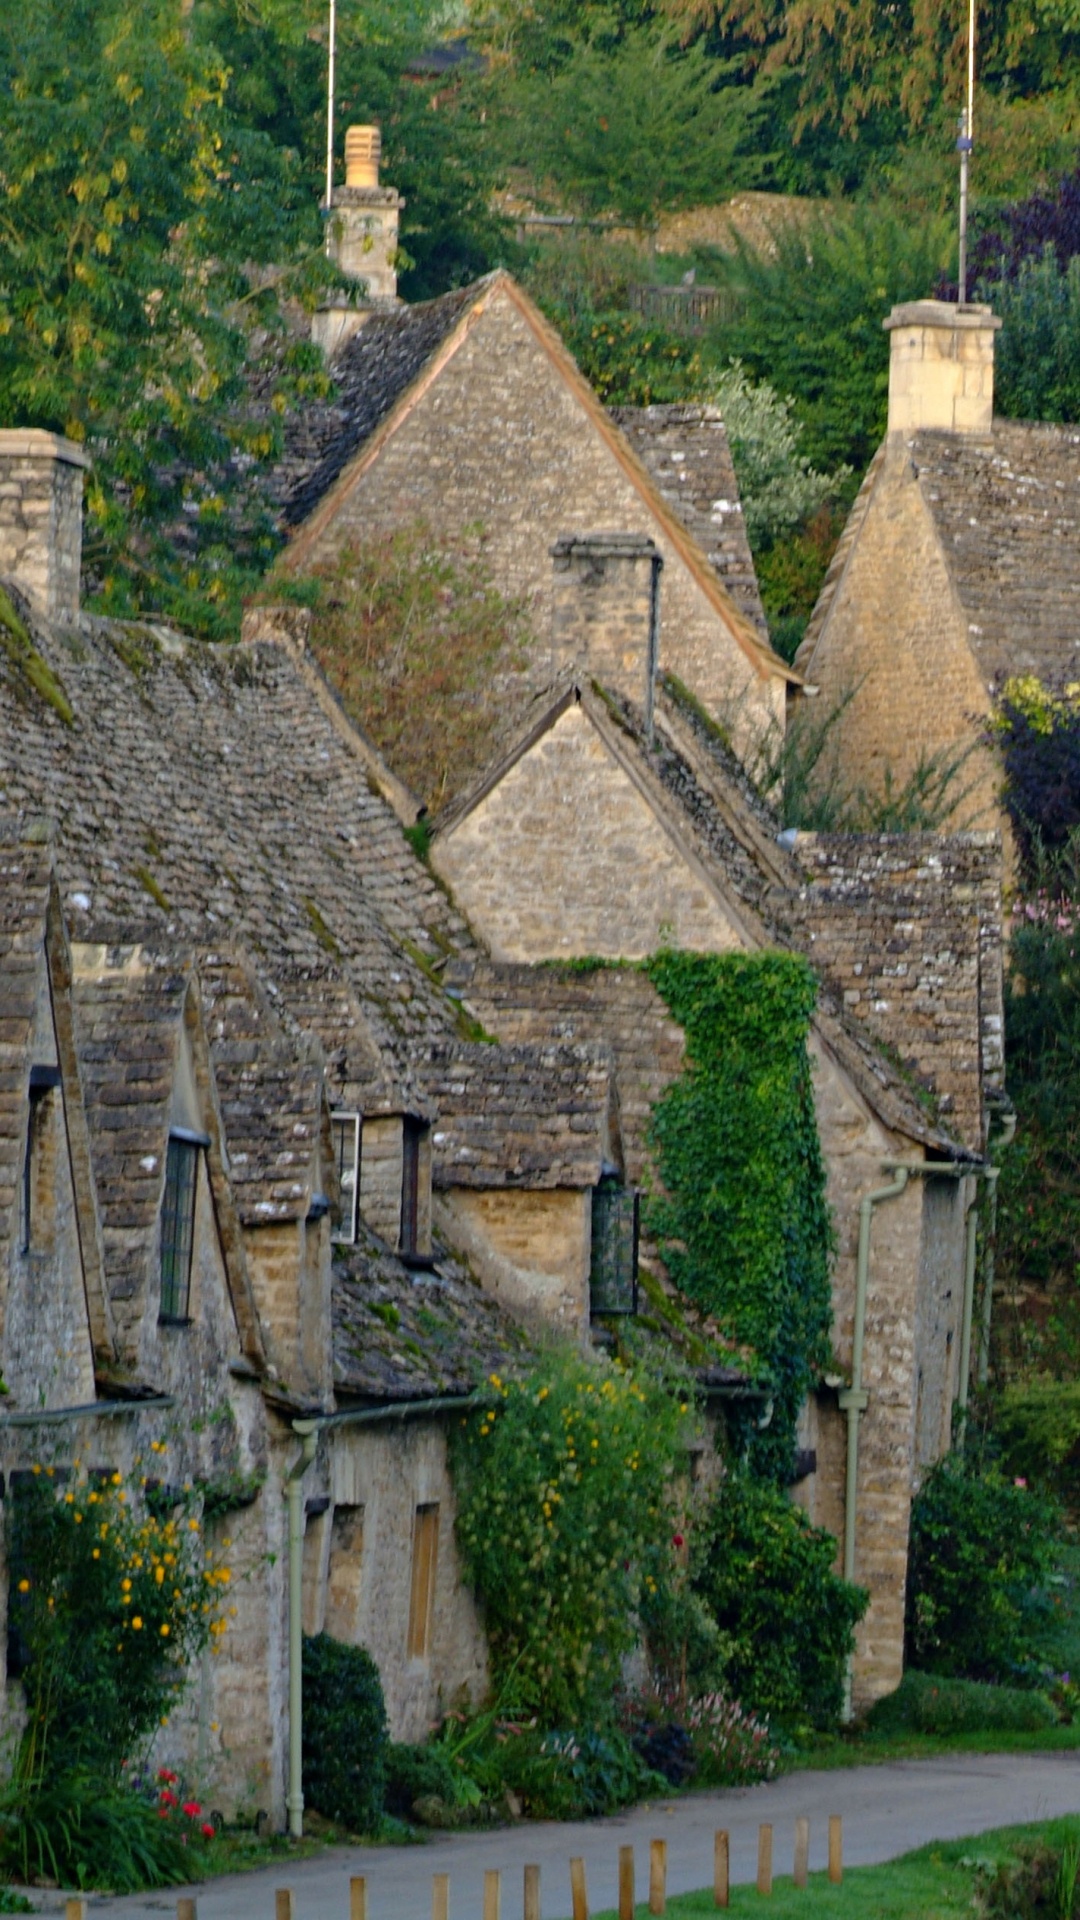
<point x="92" y="1409"/>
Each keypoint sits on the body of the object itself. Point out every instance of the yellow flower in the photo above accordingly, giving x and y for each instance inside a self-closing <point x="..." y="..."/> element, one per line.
<point x="96" y="1555"/>
<point x="24" y="1586"/>
<point x="193" y="1525"/>
<point x="117" y="1479"/>
<point x="35" y="1469"/>
<point x="165" y="1629"/>
<point x="137" y="1621"/>
<point x="125" y="1585"/>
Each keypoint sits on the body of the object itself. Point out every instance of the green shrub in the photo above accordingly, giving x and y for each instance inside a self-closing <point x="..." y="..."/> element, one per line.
<point x="932" y="1703"/>
<point x="345" y="1735"/>
<point x="562" y="1489"/>
<point x="788" y="1620"/>
<point x="1037" y="1426"/>
<point x="76" y="1831"/>
<point x="574" y="1775"/>
<point x="1039" y="1882"/>
<point x="416" y="1773"/>
<point x="982" y="1549"/>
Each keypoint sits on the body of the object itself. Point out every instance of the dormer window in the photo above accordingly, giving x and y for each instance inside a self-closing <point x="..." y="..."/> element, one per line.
<point x="178" y="1223"/>
<point x="347" y="1134"/>
<point x="411" y="1135"/>
<point x="613" y="1276"/>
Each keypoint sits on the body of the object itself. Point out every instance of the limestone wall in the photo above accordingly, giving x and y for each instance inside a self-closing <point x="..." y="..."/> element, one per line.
<point x="531" y="1249"/>
<point x="41" y="489"/>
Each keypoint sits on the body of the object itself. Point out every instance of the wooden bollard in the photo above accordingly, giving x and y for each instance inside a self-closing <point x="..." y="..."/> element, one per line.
<point x="802" y="1852"/>
<point x="626" y="1883"/>
<point x="836" y="1849"/>
<point x="440" y="1896"/>
<point x="283" y="1903"/>
<point x="722" y="1870"/>
<point x="75" y="1910"/>
<point x="357" y="1898"/>
<point x="579" y="1892"/>
<point x="492" y="1894"/>
<point x="532" y="1893"/>
<point x="186" y="1908"/>
<point x="764" y="1858"/>
<point x="658" y="1876"/>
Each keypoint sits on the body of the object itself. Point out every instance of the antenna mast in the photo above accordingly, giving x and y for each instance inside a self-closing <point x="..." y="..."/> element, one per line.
<point x="964" y="146"/>
<point x="330" y="110"/>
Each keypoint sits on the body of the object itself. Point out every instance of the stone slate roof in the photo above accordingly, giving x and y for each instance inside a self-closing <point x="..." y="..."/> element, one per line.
<point x="25" y="881"/>
<point x="519" y="1116"/>
<point x="204" y="792"/>
<point x="686" y="451"/>
<point x="1007" y="513"/>
<point x="370" y="374"/>
<point x="402" y="1334"/>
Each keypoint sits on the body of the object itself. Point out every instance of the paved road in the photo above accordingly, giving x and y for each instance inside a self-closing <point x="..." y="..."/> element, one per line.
<point x="886" y="1810"/>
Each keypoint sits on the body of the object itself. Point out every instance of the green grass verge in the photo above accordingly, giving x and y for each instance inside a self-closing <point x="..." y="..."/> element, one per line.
<point x="877" y="1750"/>
<point x="933" y="1883"/>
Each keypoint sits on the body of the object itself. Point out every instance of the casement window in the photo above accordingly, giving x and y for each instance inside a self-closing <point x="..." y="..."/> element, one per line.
<point x="613" y="1275"/>
<point x="38" y="1181"/>
<point x="425" y="1555"/>
<point x="178" y="1223"/>
<point x="411" y="1135"/>
<point x="347" y="1131"/>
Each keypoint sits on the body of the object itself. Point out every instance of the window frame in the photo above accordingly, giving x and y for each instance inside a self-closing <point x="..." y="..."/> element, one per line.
<point x="348" y="1230"/>
<point x="610" y="1189"/>
<point x="174" y="1304"/>
<point x="412" y="1137"/>
<point x="423" y="1574"/>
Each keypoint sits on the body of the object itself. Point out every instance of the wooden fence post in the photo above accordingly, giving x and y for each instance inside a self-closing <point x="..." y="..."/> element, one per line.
<point x="802" y="1852"/>
<point x="283" y="1903"/>
<point x="440" y="1896"/>
<point x="532" y="1893"/>
<point x="626" y="1883"/>
<point x="579" y="1892"/>
<point x="358" y="1897"/>
<point x="492" y="1894"/>
<point x="722" y="1870"/>
<point x="75" y="1910"/>
<point x="658" y="1876"/>
<point x="764" y="1858"/>
<point x="836" y="1849"/>
<point x="186" y="1908"/>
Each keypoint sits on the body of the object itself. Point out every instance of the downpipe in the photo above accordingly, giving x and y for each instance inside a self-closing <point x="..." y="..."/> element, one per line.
<point x="307" y="1431"/>
<point x="854" y="1400"/>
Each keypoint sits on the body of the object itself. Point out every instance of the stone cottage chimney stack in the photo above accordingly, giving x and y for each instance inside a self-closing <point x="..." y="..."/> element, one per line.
<point x="362" y="237"/>
<point x="606" y="612"/>
<point x="941" y="367"/>
<point x="41" y="498"/>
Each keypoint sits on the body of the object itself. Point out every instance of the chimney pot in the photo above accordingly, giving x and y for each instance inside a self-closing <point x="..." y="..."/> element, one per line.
<point x="41" y="492"/>
<point x="361" y="233"/>
<point x="363" y="151"/>
<point x="941" y="367"/>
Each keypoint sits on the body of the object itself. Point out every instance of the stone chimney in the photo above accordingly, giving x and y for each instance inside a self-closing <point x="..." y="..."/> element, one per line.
<point x="362" y="238"/>
<point x="606" y="612"/>
<point x="41" y="496"/>
<point x="941" y="367"/>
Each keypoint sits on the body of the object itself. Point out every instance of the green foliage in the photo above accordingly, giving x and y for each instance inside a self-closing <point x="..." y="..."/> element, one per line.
<point x="982" y="1549"/>
<point x="1041" y="1882"/>
<point x="410" y="638"/>
<point x="627" y="127"/>
<point x="562" y="1487"/>
<point x="778" y="487"/>
<point x="630" y="362"/>
<point x="811" y="314"/>
<point x="107" y="1611"/>
<point x="78" y="1831"/>
<point x="1037" y="352"/>
<point x="742" y="1222"/>
<point x="931" y="1703"/>
<point x="1037" y="1427"/>
<point x="415" y="1773"/>
<point x="787" y="1619"/>
<point x="345" y="1737"/>
<point x="581" y="1774"/>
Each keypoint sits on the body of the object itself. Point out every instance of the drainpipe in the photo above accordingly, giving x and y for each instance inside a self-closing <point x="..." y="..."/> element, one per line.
<point x="307" y="1432"/>
<point x="966" y="1318"/>
<point x="1005" y="1139"/>
<point x="854" y="1399"/>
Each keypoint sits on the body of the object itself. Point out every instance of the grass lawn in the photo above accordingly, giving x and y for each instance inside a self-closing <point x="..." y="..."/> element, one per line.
<point x="934" y="1883"/>
<point x="875" y="1749"/>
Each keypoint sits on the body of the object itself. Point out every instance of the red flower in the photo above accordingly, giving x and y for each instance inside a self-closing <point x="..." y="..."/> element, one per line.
<point x="677" y="1540"/>
<point x="208" y="1831"/>
<point x="166" y="1777"/>
<point x="192" y="1809"/>
<point x="167" y="1799"/>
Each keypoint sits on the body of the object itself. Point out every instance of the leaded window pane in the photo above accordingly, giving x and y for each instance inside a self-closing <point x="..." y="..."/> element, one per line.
<point x="613" y="1276"/>
<point x="178" y="1228"/>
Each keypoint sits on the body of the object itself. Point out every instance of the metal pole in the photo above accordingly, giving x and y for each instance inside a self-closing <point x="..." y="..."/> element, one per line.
<point x="308" y="1433"/>
<point x="330" y="109"/>
<point x="965" y="143"/>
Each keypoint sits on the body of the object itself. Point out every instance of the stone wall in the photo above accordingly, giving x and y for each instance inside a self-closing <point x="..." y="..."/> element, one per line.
<point x="41" y="490"/>
<point x="530" y="1249"/>
<point x="605" y="612"/>
<point x="499" y="441"/>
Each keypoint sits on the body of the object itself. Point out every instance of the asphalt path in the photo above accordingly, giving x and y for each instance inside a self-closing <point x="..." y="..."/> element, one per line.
<point x="886" y="1811"/>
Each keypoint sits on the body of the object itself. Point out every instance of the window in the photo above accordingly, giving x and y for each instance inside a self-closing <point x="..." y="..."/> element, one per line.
<point x="38" y="1170"/>
<point x="425" y="1556"/>
<point x="613" y="1278"/>
<point x="346" y="1128"/>
<point x="178" y="1222"/>
<point x="410" y="1185"/>
<point x="344" y="1573"/>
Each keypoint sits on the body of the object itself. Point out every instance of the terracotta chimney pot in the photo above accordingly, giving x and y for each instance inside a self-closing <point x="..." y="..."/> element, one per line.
<point x="363" y="151"/>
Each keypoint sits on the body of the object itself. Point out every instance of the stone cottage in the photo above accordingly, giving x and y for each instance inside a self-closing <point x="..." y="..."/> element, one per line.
<point x="956" y="570"/>
<point x="468" y="414"/>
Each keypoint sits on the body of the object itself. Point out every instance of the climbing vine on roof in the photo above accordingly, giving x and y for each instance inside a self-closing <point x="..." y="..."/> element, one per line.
<point x="742" y="1221"/>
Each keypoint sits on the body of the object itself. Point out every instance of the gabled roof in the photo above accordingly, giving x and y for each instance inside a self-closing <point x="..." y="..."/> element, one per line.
<point x="519" y="1116"/>
<point x="1006" y="510"/>
<point x="686" y="451"/>
<point x="401" y="361"/>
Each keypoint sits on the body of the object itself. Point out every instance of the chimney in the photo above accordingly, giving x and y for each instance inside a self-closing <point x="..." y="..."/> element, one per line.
<point x="41" y="489"/>
<point x="362" y="238"/>
<point x="941" y="367"/>
<point x="606" y="612"/>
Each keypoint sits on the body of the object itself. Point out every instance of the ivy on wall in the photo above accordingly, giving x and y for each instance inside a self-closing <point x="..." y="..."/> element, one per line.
<point x="742" y="1222"/>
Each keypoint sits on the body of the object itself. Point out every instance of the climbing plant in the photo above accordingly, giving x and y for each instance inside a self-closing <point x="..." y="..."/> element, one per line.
<point x="742" y="1219"/>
